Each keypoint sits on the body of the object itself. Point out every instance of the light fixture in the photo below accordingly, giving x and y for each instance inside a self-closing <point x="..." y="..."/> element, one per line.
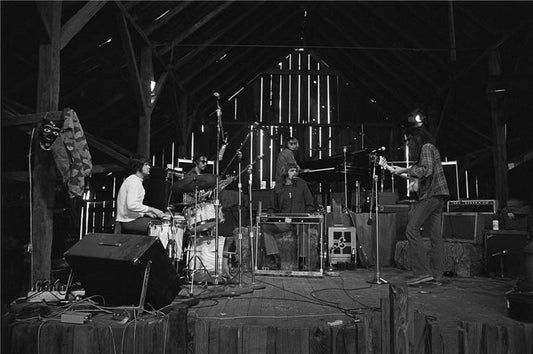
<point x="416" y="118"/>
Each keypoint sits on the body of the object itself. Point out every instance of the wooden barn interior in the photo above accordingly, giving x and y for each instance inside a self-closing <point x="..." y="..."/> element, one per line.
<point x="233" y="81"/>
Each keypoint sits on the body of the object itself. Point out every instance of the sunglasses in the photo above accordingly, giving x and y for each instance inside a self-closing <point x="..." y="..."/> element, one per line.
<point x="204" y="161"/>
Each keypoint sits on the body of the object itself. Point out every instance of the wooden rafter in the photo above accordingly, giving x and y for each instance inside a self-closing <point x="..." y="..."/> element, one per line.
<point x="376" y="60"/>
<point x="195" y="27"/>
<point x="483" y="55"/>
<point x="132" y="65"/>
<point x="170" y="15"/>
<point x="189" y="56"/>
<point x="79" y="20"/>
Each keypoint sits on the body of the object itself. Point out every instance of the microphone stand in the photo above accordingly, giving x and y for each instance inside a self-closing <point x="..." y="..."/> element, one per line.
<point x="220" y="132"/>
<point x="239" y="149"/>
<point x="377" y="278"/>
<point x="242" y="289"/>
<point x="345" y="180"/>
<point x="252" y="244"/>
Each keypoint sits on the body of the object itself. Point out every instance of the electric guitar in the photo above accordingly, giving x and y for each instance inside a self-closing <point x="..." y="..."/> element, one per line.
<point x="226" y="182"/>
<point x="413" y="182"/>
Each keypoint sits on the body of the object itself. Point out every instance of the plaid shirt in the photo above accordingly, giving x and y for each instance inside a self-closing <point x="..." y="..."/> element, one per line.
<point x="428" y="169"/>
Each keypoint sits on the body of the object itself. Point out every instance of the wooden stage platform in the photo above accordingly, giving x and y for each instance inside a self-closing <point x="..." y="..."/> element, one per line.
<point x="346" y="314"/>
<point x="341" y="313"/>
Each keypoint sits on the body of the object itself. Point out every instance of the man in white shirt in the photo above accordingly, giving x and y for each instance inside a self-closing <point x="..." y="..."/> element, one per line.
<point x="133" y="215"/>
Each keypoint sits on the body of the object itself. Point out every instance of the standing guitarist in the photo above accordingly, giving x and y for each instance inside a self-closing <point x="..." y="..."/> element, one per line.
<point x="432" y="192"/>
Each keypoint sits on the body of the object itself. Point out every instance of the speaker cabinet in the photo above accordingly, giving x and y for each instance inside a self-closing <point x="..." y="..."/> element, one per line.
<point x="464" y="227"/>
<point x="504" y="252"/>
<point x="113" y="266"/>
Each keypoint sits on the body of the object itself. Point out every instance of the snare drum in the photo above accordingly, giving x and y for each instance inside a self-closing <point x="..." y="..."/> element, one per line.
<point x="170" y="230"/>
<point x="203" y="216"/>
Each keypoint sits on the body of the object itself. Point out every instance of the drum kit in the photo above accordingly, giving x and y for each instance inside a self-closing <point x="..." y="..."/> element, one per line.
<point x="189" y="220"/>
<point x="201" y="215"/>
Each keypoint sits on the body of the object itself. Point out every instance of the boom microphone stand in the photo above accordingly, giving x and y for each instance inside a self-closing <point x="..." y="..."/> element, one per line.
<point x="377" y="278"/>
<point x="220" y="132"/>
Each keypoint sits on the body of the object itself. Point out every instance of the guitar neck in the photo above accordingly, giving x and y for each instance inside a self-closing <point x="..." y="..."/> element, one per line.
<point x="403" y="175"/>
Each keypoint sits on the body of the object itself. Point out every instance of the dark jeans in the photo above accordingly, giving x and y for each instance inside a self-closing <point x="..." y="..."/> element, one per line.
<point x="429" y="210"/>
<point x="272" y="231"/>
<point x="138" y="226"/>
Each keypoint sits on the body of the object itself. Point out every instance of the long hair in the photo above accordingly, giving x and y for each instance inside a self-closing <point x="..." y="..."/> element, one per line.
<point x="136" y="163"/>
<point x="416" y="138"/>
<point x="285" y="170"/>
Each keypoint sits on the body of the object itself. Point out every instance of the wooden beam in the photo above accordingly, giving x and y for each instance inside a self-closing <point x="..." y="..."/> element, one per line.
<point x="158" y="89"/>
<point x="518" y="160"/>
<point x="182" y="5"/>
<point x="144" y="36"/>
<point x="245" y="34"/>
<point x="147" y="74"/>
<point x="30" y="119"/>
<point x="485" y="53"/>
<point x="107" y="148"/>
<point x="398" y="300"/>
<point x="195" y="27"/>
<point x="499" y="137"/>
<point x="181" y="61"/>
<point x="132" y="65"/>
<point x="79" y="20"/>
<point x="44" y="169"/>
<point x="382" y="66"/>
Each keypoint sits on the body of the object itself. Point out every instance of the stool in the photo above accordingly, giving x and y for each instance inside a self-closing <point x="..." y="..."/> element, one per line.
<point x="118" y="227"/>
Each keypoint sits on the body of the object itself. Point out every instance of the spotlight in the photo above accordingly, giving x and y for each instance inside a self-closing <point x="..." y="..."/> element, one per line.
<point x="416" y="118"/>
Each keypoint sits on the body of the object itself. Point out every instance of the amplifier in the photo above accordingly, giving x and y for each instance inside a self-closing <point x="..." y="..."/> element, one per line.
<point x="473" y="206"/>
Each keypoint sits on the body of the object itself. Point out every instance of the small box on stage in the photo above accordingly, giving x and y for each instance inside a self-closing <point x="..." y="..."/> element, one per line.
<point x="341" y="243"/>
<point x="297" y="238"/>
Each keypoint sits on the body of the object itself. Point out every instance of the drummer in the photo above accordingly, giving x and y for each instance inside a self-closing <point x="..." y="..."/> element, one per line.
<point x="200" y="165"/>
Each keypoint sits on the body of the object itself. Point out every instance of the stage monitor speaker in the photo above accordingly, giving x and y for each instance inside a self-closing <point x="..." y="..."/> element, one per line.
<point x="504" y="252"/>
<point x="113" y="266"/>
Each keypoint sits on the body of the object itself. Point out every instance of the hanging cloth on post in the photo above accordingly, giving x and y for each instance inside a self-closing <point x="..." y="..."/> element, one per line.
<point x="71" y="153"/>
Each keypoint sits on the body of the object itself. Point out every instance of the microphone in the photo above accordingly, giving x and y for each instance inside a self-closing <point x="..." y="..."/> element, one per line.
<point x="222" y="151"/>
<point x="216" y="94"/>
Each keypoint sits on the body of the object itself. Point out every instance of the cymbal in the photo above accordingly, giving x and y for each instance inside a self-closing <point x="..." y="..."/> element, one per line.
<point x="190" y="182"/>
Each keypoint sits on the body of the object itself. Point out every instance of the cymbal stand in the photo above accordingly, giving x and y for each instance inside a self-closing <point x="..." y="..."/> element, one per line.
<point x="377" y="278"/>
<point x="251" y="231"/>
<point x="239" y="157"/>
<point x="195" y="249"/>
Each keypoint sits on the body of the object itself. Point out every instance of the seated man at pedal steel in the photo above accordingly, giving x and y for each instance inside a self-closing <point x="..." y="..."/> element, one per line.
<point x="133" y="216"/>
<point x="291" y="195"/>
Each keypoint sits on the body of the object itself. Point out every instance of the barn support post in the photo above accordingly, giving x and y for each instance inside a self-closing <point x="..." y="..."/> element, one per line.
<point x="44" y="169"/>
<point x="499" y="135"/>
